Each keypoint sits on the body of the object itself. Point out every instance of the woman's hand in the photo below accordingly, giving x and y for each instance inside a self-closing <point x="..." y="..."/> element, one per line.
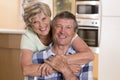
<point x="45" y="70"/>
<point x="58" y="63"/>
<point x="75" y="68"/>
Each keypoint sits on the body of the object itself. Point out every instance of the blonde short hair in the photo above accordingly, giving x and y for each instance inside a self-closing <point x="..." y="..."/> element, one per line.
<point x="33" y="8"/>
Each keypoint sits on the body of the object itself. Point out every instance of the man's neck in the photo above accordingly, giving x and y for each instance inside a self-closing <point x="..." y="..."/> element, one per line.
<point x="60" y="50"/>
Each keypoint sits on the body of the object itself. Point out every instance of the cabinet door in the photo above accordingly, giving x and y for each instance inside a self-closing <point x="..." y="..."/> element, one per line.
<point x="111" y="7"/>
<point x="110" y="49"/>
<point x="63" y="5"/>
<point x="95" y="66"/>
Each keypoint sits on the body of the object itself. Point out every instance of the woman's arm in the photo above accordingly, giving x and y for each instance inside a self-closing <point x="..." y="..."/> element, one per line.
<point x="26" y="63"/>
<point x="30" y="69"/>
<point x="84" y="54"/>
<point x="59" y="64"/>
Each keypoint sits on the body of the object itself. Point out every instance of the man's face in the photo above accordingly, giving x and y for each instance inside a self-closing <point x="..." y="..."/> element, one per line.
<point x="63" y="31"/>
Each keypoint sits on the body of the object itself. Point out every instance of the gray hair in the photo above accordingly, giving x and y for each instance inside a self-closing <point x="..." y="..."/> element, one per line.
<point x="34" y="8"/>
<point x="67" y="15"/>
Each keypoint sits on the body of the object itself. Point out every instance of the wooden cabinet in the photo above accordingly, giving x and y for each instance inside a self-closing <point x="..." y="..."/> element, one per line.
<point x="95" y="66"/>
<point x="9" y="64"/>
<point x="9" y="57"/>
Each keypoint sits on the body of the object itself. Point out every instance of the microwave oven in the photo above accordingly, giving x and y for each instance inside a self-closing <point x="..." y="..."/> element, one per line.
<point x="88" y="9"/>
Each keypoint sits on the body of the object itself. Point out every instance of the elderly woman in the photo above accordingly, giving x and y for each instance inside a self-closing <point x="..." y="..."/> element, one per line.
<point x="38" y="36"/>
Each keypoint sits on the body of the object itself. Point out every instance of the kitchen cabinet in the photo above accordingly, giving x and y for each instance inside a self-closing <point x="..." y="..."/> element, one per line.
<point x="110" y="41"/>
<point x="63" y="5"/>
<point x="10" y="68"/>
<point x="110" y="7"/>
<point x="109" y="58"/>
<point x="95" y="66"/>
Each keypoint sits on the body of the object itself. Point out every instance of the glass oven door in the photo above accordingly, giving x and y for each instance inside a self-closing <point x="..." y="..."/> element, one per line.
<point x="89" y="35"/>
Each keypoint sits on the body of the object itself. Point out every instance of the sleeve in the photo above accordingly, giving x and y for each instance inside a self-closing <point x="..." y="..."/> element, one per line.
<point x="75" y="36"/>
<point x="86" y="72"/>
<point x="27" y="43"/>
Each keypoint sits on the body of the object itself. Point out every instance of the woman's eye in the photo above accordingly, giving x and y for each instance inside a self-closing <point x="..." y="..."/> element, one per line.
<point x="43" y="19"/>
<point x="35" y="22"/>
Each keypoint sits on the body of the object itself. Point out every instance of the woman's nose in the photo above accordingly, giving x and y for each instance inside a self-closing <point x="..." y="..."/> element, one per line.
<point x="41" y="24"/>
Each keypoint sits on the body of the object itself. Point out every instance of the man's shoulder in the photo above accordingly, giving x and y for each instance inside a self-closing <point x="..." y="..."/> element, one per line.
<point x="43" y="54"/>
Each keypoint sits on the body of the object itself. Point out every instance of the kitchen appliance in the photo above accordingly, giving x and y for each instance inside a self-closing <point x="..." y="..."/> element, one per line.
<point x="87" y="9"/>
<point x="88" y="14"/>
<point x="89" y="33"/>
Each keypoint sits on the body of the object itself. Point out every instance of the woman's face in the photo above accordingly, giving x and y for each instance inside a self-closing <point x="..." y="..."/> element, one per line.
<point x="41" y="24"/>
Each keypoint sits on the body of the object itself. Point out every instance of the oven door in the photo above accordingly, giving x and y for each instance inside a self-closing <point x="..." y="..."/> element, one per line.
<point x="89" y="35"/>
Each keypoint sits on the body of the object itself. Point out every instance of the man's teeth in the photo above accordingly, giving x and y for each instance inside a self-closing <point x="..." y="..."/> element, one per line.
<point x="62" y="36"/>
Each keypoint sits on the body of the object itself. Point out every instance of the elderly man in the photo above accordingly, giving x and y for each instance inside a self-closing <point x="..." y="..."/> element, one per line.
<point x="64" y="27"/>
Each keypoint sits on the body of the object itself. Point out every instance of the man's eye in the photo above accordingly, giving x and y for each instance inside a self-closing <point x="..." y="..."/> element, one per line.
<point x="68" y="27"/>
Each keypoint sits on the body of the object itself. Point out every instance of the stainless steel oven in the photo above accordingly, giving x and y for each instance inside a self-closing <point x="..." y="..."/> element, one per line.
<point x="89" y="35"/>
<point x="89" y="31"/>
<point x="87" y="9"/>
<point x="88" y="15"/>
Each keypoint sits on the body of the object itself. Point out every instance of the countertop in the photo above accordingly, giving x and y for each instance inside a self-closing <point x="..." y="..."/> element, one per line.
<point x="95" y="49"/>
<point x="12" y="31"/>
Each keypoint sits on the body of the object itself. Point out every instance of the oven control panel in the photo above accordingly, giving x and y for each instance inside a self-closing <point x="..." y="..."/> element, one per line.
<point x="90" y="22"/>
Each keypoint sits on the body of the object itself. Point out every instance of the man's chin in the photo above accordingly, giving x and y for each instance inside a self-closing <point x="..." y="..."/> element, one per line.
<point x="62" y="44"/>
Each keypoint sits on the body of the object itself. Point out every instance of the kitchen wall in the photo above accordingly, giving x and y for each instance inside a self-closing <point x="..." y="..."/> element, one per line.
<point x="9" y="14"/>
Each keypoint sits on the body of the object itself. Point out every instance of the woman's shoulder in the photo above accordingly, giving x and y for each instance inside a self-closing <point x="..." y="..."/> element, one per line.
<point x="28" y="40"/>
<point x="29" y="33"/>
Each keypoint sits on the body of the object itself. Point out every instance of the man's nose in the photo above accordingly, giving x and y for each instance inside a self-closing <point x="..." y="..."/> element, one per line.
<point x="62" y="30"/>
